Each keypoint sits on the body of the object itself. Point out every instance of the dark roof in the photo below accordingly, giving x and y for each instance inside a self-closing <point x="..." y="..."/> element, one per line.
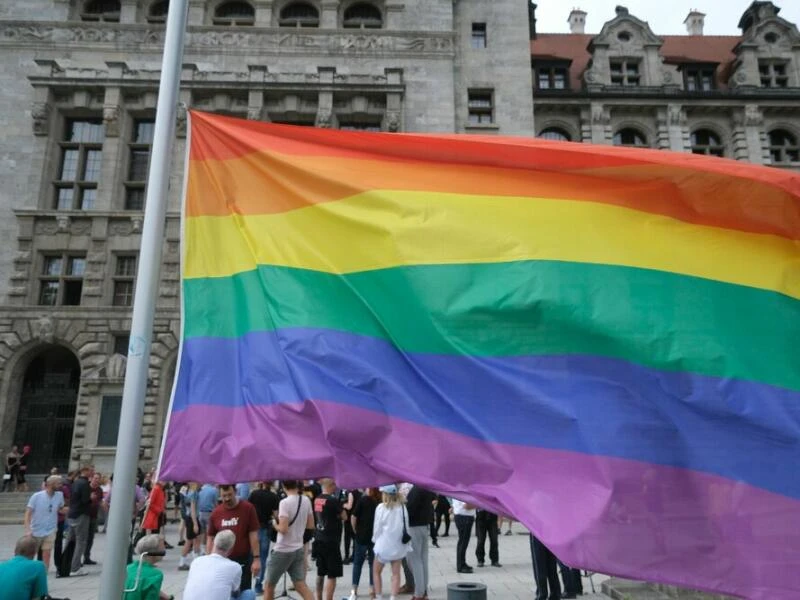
<point x="677" y="49"/>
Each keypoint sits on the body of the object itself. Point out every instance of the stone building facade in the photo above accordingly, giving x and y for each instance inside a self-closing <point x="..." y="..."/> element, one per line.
<point x="736" y="96"/>
<point x="78" y="83"/>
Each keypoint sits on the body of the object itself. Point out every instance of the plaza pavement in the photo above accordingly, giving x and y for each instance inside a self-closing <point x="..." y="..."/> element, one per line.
<point x="514" y="581"/>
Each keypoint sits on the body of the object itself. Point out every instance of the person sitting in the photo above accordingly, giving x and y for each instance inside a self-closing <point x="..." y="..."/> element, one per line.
<point x="214" y="576"/>
<point x="143" y="581"/>
<point x="23" y="577"/>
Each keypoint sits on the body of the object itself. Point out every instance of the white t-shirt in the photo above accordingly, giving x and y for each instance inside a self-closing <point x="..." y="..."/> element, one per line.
<point x="293" y="539"/>
<point x="459" y="508"/>
<point x="387" y="532"/>
<point x="212" y="577"/>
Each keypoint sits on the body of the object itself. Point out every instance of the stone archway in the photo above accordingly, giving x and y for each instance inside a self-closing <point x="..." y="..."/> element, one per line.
<point x="47" y="403"/>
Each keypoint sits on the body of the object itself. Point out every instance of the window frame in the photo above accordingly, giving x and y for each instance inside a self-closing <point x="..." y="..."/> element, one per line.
<point x="788" y="153"/>
<point x="623" y="76"/>
<point x="479" y="39"/>
<point x="362" y="22"/>
<point x="157" y="18"/>
<point x="237" y="20"/>
<point x="138" y="186"/>
<point x="101" y="16"/>
<point x="299" y="21"/>
<point x="551" y="70"/>
<point x="549" y="133"/>
<point x="62" y="278"/>
<point x="78" y="185"/>
<point x="107" y="419"/>
<point x="695" y="73"/>
<point x="480" y="107"/>
<point x="627" y="130"/>
<point x="124" y="279"/>
<point x="706" y="147"/>
<point x="772" y="78"/>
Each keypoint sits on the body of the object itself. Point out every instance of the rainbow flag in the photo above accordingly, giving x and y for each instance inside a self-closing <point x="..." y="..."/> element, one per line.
<point x="603" y="342"/>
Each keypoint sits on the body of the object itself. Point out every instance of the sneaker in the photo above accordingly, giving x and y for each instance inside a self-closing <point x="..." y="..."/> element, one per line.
<point x="353" y="595"/>
<point x="89" y="561"/>
<point x="183" y="567"/>
<point x="508" y="532"/>
<point x="79" y="573"/>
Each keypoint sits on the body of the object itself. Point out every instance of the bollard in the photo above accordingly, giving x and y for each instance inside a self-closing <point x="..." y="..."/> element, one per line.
<point x="466" y="590"/>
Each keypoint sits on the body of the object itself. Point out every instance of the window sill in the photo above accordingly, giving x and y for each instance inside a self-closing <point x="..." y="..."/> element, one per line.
<point x="482" y="127"/>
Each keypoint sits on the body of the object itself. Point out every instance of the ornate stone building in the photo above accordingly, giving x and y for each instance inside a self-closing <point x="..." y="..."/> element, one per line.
<point x="77" y="103"/>
<point x="736" y="96"/>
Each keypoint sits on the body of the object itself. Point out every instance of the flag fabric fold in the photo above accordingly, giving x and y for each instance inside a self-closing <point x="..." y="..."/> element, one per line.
<point x="601" y="342"/>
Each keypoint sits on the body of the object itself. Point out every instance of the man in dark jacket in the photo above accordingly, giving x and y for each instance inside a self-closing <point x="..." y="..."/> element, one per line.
<point x="419" y="503"/>
<point x="78" y="517"/>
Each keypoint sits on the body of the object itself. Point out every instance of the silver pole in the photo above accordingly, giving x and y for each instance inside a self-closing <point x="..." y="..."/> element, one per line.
<point x="133" y="395"/>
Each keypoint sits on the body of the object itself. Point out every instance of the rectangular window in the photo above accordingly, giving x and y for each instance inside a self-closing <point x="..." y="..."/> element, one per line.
<point x="139" y="159"/>
<point x="480" y="106"/>
<point x="552" y="77"/>
<point x="773" y="73"/>
<point x="110" y="412"/>
<point x="479" y="35"/>
<point x="121" y="343"/>
<point x="124" y="277"/>
<point x="625" y="72"/>
<point x="81" y="164"/>
<point x="358" y="126"/>
<point x="699" y="78"/>
<point x="61" y="280"/>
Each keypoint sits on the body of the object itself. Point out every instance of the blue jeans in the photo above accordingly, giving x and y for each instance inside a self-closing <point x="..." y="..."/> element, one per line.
<point x="361" y="552"/>
<point x="263" y="553"/>
<point x="246" y="595"/>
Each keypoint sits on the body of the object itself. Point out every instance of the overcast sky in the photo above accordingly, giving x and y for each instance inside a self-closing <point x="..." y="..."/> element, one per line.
<point x="664" y="16"/>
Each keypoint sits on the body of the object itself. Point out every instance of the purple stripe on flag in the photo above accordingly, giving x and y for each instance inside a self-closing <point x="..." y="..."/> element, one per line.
<point x="619" y="516"/>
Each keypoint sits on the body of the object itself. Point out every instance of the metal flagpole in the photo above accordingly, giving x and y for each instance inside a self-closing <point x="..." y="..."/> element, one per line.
<point x="133" y="395"/>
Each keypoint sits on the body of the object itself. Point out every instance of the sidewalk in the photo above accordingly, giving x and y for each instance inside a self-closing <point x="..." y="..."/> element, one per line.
<point x="514" y="581"/>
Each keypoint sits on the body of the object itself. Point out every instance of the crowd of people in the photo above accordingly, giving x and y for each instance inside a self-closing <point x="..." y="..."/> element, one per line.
<point x="243" y="540"/>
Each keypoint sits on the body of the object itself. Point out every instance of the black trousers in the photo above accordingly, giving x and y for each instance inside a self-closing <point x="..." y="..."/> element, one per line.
<point x="573" y="586"/>
<point x="58" y="545"/>
<point x="434" y="532"/>
<point x="348" y="538"/>
<point x="464" y="527"/>
<point x="247" y="575"/>
<point x="545" y="571"/>
<point x="446" y="514"/>
<point x="486" y="526"/>
<point x="90" y="540"/>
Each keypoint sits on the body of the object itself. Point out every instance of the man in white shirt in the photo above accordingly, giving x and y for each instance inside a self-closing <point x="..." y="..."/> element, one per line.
<point x="464" y="518"/>
<point x="215" y="576"/>
<point x="41" y="516"/>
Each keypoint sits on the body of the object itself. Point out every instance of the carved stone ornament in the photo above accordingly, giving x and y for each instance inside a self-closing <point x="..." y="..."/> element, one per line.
<point x="40" y="113"/>
<point x="600" y="115"/>
<point x="753" y="115"/>
<point x="676" y="115"/>
<point x="44" y="330"/>
<point x="111" y="119"/>
<point x="324" y="119"/>
<point x="63" y="223"/>
<point x="136" y="224"/>
<point x="115" y="366"/>
<point x="393" y="121"/>
<point x="254" y="113"/>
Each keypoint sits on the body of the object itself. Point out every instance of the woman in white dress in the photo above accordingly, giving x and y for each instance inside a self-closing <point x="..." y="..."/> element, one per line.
<point x="391" y="519"/>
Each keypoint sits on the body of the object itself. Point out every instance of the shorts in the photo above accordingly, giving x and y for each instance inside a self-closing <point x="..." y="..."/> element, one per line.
<point x="202" y="520"/>
<point x="279" y="563"/>
<point x="45" y="543"/>
<point x="190" y="532"/>
<point x="329" y="559"/>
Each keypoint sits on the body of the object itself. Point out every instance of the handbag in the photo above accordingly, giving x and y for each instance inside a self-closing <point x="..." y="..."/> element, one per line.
<point x="406" y="537"/>
<point x="273" y="533"/>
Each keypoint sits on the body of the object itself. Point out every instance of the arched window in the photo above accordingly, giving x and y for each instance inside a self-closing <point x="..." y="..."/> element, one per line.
<point x="362" y="15"/>
<point x="299" y="14"/>
<point x="158" y="11"/>
<point x="705" y="141"/>
<point x="630" y="137"/>
<point x="234" y="13"/>
<point x="101" y="10"/>
<point x="783" y="147"/>
<point x="555" y="133"/>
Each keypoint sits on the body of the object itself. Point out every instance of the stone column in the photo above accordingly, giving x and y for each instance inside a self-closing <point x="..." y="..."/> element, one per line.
<point x="393" y="120"/>
<point x="263" y="13"/>
<point x="749" y="139"/>
<point x="197" y="12"/>
<point x="127" y="13"/>
<point x="600" y="124"/>
<point x="673" y="133"/>
<point x="325" y="116"/>
<point x="329" y="18"/>
<point x="113" y="148"/>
